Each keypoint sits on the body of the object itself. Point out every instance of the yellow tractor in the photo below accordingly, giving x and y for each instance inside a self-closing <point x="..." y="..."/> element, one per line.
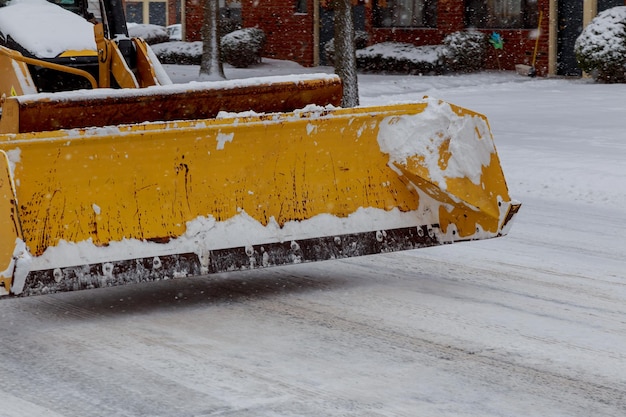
<point x="110" y="174"/>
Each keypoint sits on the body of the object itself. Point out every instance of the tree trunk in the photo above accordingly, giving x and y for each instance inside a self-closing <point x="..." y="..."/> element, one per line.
<point x="345" y="53"/>
<point x="211" y="67"/>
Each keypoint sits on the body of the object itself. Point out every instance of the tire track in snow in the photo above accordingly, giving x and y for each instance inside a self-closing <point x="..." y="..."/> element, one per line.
<point x="488" y="364"/>
<point x="509" y="279"/>
<point x="39" y="387"/>
<point x="343" y="327"/>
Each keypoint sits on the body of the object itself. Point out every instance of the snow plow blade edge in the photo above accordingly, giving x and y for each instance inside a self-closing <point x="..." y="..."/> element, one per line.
<point x="97" y="207"/>
<point x="69" y="110"/>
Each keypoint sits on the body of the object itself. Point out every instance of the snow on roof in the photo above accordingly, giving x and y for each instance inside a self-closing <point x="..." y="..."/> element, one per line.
<point x="45" y="29"/>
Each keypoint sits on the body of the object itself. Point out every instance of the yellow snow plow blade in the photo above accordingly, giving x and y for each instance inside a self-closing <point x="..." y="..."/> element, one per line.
<point x="95" y="207"/>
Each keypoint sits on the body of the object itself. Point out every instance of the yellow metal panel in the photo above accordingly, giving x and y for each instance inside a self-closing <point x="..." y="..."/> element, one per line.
<point x="146" y="181"/>
<point x="146" y="75"/>
<point x="10" y="120"/>
<point x="74" y="53"/>
<point x="15" y="79"/>
<point x="122" y="73"/>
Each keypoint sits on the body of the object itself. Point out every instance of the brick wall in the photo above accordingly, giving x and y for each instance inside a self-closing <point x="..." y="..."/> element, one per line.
<point x="193" y="20"/>
<point x="289" y="34"/>
<point x="519" y="43"/>
<point x="450" y="15"/>
<point x="449" y="19"/>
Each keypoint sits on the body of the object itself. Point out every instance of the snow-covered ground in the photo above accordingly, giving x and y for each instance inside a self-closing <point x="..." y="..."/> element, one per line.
<point x="532" y="324"/>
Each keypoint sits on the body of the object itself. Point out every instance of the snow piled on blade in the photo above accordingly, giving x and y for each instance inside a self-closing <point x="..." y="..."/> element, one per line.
<point x="26" y="20"/>
<point x="190" y="87"/>
<point x="448" y="145"/>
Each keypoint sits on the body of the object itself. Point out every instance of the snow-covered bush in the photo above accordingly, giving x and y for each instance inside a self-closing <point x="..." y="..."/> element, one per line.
<point x="465" y="51"/>
<point x="181" y="53"/>
<point x="243" y="47"/>
<point x="152" y="34"/>
<point x="401" y="57"/>
<point x="240" y="49"/>
<point x="601" y="47"/>
<point x="361" y="39"/>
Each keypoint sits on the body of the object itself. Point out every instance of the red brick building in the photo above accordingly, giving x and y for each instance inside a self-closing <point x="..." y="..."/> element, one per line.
<point x="297" y="29"/>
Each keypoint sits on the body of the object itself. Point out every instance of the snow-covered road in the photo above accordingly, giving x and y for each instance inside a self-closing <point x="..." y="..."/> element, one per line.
<point x="533" y="324"/>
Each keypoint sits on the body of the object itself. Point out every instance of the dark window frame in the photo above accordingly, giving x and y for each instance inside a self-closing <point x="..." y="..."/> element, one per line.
<point x="388" y="13"/>
<point x="301" y="7"/>
<point x="483" y="14"/>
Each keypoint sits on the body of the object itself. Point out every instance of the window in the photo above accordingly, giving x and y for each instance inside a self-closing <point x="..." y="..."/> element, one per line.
<point x="300" y="6"/>
<point x="134" y="12"/>
<point x="513" y="14"/>
<point x="405" y="13"/>
<point x="156" y="13"/>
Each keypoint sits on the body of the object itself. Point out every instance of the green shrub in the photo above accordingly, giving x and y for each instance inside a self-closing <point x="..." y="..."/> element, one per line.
<point x="465" y="51"/>
<point x="243" y="47"/>
<point x="405" y="58"/>
<point x="240" y="49"/>
<point x="181" y="53"/>
<point x="152" y="34"/>
<point x="601" y="47"/>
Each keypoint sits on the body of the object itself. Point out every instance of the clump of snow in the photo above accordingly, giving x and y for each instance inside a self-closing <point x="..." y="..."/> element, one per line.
<point x="466" y="140"/>
<point x="45" y="29"/>
<point x="19" y="267"/>
<point x="14" y="156"/>
<point x="222" y="138"/>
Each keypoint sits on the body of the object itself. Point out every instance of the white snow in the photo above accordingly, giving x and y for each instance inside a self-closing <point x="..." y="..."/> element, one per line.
<point x="19" y="267"/>
<point x="531" y="324"/>
<point x="179" y="88"/>
<point x="26" y="20"/>
<point x="14" y="156"/>
<point x="604" y="38"/>
<point x="423" y="135"/>
<point x="145" y="31"/>
<point x="205" y="233"/>
<point x="402" y="51"/>
<point x="222" y="138"/>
